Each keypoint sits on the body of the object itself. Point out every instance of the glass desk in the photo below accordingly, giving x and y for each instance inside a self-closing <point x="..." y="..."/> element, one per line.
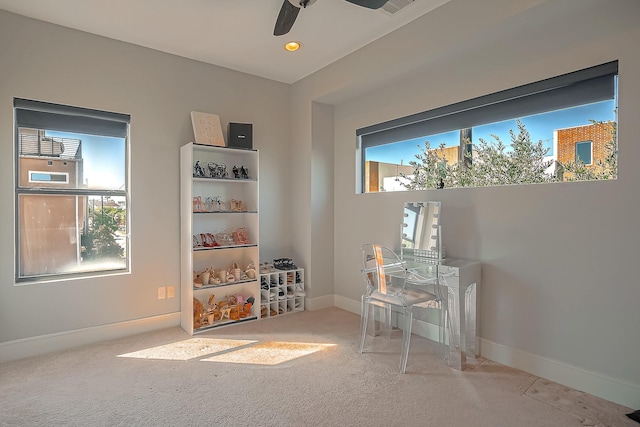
<point x="461" y="279"/>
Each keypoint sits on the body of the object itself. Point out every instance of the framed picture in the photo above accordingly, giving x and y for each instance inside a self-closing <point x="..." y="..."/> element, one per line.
<point x="207" y="129"/>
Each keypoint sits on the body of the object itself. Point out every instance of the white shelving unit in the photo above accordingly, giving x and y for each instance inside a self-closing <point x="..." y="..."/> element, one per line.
<point x="216" y="219"/>
<point x="282" y="292"/>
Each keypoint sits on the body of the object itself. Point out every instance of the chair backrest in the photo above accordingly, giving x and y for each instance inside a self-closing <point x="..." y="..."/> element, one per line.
<point x="378" y="263"/>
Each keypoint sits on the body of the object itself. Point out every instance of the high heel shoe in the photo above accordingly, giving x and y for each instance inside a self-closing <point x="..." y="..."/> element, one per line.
<point x="240" y="236"/>
<point x="236" y="205"/>
<point x="212" y="239"/>
<point x="250" y="271"/>
<point x="246" y="310"/>
<point x="224" y="239"/>
<point x="230" y="276"/>
<point x="215" y="203"/>
<point x="197" y="204"/>
<point x="237" y="273"/>
<point x="198" y="170"/>
<point x="209" y="204"/>
<point x="208" y="240"/>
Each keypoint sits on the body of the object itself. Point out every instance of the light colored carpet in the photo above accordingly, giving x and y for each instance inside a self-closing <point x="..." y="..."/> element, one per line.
<point x="295" y="370"/>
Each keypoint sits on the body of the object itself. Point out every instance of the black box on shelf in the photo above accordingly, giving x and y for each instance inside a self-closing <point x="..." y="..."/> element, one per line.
<point x="240" y="135"/>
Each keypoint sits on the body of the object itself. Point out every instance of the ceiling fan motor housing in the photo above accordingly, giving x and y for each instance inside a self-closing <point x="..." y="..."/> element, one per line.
<point x="302" y="3"/>
<point x="290" y="9"/>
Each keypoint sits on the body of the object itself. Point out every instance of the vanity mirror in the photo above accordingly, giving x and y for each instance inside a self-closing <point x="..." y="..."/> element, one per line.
<point x="421" y="230"/>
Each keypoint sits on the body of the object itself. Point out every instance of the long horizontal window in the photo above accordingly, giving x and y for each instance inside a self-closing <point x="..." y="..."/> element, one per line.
<point x="528" y="134"/>
<point x="71" y="191"/>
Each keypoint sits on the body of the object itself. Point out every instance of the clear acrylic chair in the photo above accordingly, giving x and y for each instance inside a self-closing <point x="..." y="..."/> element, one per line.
<point x="387" y="277"/>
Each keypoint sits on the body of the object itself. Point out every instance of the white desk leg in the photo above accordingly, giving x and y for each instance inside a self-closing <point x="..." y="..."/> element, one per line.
<point x="470" y="321"/>
<point x="455" y="305"/>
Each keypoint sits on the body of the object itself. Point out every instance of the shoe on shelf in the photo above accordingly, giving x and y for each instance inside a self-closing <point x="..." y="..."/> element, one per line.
<point x="224" y="238"/>
<point x="197" y="282"/>
<point x="210" y="204"/>
<point x="263" y="268"/>
<point x="240" y="236"/>
<point x="237" y="205"/>
<point x="284" y="264"/>
<point x="197" y="204"/>
<point x="208" y="240"/>
<point x="198" y="170"/>
<point x="266" y="267"/>
<point x="250" y="271"/>
<point x="300" y="290"/>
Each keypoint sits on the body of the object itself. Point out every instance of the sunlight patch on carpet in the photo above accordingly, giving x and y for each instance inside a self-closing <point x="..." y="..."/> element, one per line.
<point x="269" y="353"/>
<point x="189" y="349"/>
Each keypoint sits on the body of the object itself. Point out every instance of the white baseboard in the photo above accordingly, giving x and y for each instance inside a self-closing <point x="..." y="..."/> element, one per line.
<point x="346" y="304"/>
<point x="318" y="303"/>
<point x="608" y="388"/>
<point x="42" y="344"/>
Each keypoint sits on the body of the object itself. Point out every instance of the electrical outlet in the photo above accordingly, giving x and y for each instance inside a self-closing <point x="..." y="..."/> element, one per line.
<point x="171" y="291"/>
<point x="162" y="292"/>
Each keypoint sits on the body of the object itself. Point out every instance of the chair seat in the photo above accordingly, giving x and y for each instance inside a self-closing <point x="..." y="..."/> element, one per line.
<point x="408" y="297"/>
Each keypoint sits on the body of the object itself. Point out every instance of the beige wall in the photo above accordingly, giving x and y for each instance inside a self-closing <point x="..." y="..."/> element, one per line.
<point x="559" y="296"/>
<point x="54" y="64"/>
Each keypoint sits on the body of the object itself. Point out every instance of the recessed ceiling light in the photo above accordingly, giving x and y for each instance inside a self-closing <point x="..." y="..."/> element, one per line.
<point x="292" y="46"/>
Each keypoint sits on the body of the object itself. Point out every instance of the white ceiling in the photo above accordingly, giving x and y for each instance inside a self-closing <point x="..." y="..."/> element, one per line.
<point x="236" y="34"/>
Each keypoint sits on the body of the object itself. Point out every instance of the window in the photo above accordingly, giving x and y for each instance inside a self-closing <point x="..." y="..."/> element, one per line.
<point x="42" y="176"/>
<point x="529" y="134"/>
<point x="72" y="191"/>
<point x="583" y="152"/>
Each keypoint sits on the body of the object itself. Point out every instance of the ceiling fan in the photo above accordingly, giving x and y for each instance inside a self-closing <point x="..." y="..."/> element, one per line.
<point x="290" y="9"/>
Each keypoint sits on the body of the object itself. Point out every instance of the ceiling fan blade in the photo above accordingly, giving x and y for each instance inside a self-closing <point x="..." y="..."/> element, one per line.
<point x="286" y="18"/>
<point x="370" y="4"/>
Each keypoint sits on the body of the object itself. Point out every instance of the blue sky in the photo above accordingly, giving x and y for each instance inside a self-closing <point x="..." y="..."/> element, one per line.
<point x="539" y="126"/>
<point x="104" y="159"/>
